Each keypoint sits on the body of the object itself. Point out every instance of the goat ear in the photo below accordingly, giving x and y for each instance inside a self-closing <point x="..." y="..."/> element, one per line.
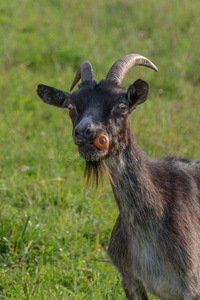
<point x="137" y="93"/>
<point x="53" y="96"/>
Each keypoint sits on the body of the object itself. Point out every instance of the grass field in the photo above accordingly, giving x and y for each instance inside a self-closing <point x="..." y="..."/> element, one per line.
<point x="54" y="231"/>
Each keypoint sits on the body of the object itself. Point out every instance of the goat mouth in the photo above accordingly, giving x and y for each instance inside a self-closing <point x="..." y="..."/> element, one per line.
<point x="91" y="153"/>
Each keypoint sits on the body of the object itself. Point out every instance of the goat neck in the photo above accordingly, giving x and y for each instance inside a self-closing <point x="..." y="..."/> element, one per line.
<point x="133" y="188"/>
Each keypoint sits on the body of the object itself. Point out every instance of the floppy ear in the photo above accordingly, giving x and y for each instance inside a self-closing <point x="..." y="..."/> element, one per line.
<point x="53" y="96"/>
<point x="137" y="93"/>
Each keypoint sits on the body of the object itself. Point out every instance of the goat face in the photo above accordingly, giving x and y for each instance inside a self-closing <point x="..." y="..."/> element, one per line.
<point x="100" y="107"/>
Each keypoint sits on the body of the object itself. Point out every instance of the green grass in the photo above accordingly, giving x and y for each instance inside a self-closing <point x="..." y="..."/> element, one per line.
<point x="54" y="232"/>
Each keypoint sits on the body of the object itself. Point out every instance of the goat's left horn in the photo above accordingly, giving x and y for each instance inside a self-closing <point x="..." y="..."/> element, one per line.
<point x="84" y="72"/>
<point x="122" y="65"/>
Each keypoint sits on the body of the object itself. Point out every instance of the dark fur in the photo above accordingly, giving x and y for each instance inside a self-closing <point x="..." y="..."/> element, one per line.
<point x="155" y="243"/>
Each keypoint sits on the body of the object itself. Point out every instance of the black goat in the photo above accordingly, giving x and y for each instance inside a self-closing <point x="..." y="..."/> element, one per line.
<point x="155" y="243"/>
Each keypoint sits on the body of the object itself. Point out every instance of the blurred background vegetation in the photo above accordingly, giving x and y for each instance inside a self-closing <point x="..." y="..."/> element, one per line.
<point x="54" y="232"/>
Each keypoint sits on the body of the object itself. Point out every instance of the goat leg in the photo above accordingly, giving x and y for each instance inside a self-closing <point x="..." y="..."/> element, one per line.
<point x="134" y="290"/>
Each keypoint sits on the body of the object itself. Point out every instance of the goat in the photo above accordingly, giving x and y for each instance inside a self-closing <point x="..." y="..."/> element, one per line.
<point x="155" y="242"/>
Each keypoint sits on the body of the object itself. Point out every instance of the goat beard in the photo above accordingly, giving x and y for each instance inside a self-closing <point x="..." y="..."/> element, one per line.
<point x="96" y="170"/>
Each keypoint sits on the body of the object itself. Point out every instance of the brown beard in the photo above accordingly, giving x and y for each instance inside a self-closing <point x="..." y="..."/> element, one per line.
<point x="96" y="170"/>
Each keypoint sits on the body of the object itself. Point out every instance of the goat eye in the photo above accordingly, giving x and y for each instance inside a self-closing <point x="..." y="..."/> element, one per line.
<point x="122" y="106"/>
<point x="70" y="106"/>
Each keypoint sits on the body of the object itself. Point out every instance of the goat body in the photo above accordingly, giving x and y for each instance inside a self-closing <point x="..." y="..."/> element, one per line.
<point x="155" y="243"/>
<point x="155" y="240"/>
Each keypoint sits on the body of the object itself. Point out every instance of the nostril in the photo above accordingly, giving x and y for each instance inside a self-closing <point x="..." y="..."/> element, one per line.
<point x="88" y="132"/>
<point x="77" y="132"/>
<point x="78" y="137"/>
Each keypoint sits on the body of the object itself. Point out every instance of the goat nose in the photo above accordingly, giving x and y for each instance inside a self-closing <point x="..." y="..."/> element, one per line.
<point x="84" y="133"/>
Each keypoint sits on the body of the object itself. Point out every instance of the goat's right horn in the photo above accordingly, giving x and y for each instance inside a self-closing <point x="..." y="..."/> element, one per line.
<point x="84" y="72"/>
<point x="122" y="65"/>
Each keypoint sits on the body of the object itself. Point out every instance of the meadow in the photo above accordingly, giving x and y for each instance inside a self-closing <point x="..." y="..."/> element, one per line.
<point x="54" y="231"/>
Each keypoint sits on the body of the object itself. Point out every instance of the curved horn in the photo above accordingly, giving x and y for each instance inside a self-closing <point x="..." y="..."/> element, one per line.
<point x="122" y="65"/>
<point x="84" y="72"/>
